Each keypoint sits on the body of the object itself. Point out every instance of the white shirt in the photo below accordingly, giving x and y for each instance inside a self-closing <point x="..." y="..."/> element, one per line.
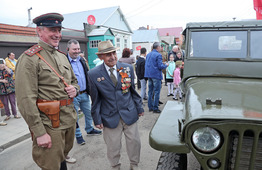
<point x="144" y="57"/>
<point x="115" y="70"/>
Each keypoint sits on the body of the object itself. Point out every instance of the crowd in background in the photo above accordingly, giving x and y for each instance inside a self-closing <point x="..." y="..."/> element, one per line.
<point x="7" y="87"/>
<point x="152" y="67"/>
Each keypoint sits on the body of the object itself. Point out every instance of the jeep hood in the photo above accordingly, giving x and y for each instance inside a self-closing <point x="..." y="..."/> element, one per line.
<point x="241" y="99"/>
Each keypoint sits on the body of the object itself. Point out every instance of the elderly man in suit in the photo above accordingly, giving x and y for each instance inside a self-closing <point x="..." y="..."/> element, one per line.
<point x="116" y="106"/>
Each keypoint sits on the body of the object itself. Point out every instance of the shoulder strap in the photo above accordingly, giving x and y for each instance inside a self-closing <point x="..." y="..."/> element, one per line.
<point x="34" y="49"/>
<point x="62" y="78"/>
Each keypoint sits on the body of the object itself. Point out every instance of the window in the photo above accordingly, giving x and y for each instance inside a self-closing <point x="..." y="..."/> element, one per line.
<point x="255" y="44"/>
<point x="94" y="43"/>
<point x="227" y="43"/>
<point x="110" y="40"/>
<point x="118" y="43"/>
<point x="219" y="44"/>
<point x="125" y="43"/>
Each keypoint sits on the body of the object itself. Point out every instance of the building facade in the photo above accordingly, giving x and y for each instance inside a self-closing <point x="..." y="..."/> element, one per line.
<point x="112" y="18"/>
<point x="144" y="38"/>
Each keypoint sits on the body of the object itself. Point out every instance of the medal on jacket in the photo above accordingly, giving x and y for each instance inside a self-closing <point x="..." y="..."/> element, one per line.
<point x="125" y="78"/>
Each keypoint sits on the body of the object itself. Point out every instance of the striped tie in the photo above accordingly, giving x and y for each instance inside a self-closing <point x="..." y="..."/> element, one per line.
<point x="112" y="76"/>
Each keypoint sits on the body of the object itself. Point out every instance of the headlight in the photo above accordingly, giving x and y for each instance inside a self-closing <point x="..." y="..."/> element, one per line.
<point x="206" y="139"/>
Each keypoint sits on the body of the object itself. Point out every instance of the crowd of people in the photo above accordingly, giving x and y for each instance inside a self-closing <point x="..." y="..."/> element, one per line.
<point x="51" y="88"/>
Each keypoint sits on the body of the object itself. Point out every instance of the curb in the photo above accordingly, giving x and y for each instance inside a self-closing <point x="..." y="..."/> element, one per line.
<point x="15" y="141"/>
<point x="22" y="138"/>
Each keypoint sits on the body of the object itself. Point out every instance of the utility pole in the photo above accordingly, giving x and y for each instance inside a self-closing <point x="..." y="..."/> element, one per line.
<point x="29" y="16"/>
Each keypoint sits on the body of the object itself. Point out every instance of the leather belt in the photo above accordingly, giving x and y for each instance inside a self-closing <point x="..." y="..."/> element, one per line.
<point x="64" y="102"/>
<point x="81" y="92"/>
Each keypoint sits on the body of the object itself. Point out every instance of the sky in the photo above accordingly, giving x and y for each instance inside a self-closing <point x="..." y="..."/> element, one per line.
<point x="138" y="13"/>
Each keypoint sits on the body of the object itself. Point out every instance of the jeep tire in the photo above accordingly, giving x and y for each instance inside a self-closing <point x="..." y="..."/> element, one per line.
<point x="172" y="161"/>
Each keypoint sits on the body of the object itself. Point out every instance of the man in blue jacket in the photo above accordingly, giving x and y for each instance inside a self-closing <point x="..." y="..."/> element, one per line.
<point x="153" y="71"/>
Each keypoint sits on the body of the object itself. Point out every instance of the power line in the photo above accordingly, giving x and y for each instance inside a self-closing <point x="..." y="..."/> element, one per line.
<point x="139" y="8"/>
<point x="145" y="9"/>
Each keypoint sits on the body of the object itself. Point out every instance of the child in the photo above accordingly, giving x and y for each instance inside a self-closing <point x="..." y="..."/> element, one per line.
<point x="178" y="56"/>
<point x="169" y="75"/>
<point x="177" y="79"/>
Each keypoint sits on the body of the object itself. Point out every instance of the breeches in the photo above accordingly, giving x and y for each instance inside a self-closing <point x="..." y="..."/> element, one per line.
<point x="62" y="143"/>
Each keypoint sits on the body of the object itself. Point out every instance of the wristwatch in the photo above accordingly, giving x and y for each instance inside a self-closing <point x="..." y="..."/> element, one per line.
<point x="77" y="91"/>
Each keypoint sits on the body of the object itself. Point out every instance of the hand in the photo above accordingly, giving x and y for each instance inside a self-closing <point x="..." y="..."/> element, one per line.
<point x="44" y="141"/>
<point x="4" y="81"/>
<point x="101" y="126"/>
<point x="71" y="91"/>
<point x="141" y="114"/>
<point x="167" y="64"/>
<point x="7" y="69"/>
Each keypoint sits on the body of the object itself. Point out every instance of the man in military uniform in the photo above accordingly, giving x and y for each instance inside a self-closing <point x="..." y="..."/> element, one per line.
<point x="37" y="82"/>
<point x="164" y="60"/>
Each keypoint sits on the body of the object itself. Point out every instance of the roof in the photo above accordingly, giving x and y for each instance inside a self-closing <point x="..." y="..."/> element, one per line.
<point x="173" y="31"/>
<point x="76" y="20"/>
<point x="145" y="36"/>
<point x="225" y="24"/>
<point x="100" y="31"/>
<point x="17" y="30"/>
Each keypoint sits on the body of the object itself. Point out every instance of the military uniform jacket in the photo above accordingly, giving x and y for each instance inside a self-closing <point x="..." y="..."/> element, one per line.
<point x="35" y="79"/>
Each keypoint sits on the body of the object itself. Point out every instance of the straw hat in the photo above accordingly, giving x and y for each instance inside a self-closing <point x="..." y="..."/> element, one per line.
<point x="105" y="47"/>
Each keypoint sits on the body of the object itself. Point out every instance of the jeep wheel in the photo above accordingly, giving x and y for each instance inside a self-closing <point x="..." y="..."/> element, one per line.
<point x="172" y="161"/>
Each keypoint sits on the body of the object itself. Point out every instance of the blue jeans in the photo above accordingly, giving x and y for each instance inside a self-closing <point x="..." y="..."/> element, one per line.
<point x="154" y="86"/>
<point x="83" y="101"/>
<point x="143" y="88"/>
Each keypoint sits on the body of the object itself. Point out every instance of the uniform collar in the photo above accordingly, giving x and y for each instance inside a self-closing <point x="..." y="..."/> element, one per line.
<point x="47" y="46"/>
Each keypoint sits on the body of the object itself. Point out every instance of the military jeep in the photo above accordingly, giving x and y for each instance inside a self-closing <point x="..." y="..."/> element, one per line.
<point x="219" y="121"/>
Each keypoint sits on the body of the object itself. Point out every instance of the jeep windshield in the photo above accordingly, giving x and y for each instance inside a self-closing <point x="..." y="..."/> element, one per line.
<point x="226" y="44"/>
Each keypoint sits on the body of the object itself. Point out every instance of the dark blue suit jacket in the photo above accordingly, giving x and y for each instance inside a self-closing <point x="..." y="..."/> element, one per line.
<point x="109" y="103"/>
